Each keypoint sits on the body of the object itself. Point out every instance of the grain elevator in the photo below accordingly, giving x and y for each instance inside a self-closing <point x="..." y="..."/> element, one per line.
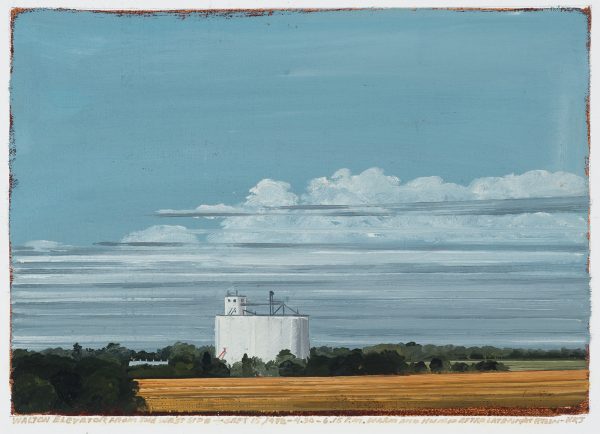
<point x="242" y="330"/>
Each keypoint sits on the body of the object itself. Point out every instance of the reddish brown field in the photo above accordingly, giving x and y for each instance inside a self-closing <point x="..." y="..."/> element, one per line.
<point x="527" y="392"/>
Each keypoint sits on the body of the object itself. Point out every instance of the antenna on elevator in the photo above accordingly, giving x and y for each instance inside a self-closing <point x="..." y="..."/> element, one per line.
<point x="271" y="294"/>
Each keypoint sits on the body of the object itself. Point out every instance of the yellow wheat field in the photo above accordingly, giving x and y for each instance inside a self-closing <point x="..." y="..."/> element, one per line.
<point x="516" y="390"/>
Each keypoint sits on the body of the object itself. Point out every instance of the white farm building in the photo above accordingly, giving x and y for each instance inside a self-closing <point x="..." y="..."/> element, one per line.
<point x="241" y="330"/>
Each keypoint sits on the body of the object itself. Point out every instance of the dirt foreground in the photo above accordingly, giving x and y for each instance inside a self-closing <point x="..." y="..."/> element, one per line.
<point x="518" y="393"/>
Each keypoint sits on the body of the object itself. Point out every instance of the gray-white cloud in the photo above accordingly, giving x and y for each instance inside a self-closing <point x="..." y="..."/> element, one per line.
<point x="161" y="234"/>
<point x="537" y="206"/>
<point x="374" y="193"/>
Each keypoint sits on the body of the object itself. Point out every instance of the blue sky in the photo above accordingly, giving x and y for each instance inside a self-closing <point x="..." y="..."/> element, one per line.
<point x="427" y="167"/>
<point x="116" y="117"/>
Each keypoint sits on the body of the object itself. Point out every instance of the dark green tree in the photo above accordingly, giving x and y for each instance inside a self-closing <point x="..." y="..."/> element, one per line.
<point x="438" y="365"/>
<point x="91" y="385"/>
<point x="490" y="365"/>
<point x="318" y="365"/>
<point x="349" y="364"/>
<point x="247" y="368"/>
<point x="77" y="351"/>
<point x="32" y="394"/>
<point x="419" y="367"/>
<point x="460" y="367"/>
<point x="290" y="368"/>
<point x="385" y="362"/>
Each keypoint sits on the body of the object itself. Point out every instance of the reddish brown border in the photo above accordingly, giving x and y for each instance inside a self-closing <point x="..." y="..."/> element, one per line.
<point x="582" y="408"/>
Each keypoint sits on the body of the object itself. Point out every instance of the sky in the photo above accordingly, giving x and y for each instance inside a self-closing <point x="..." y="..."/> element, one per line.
<point x="116" y="117"/>
<point x="398" y="175"/>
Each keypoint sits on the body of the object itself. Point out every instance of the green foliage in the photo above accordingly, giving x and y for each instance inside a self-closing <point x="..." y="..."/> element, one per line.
<point x="99" y="381"/>
<point x="255" y="367"/>
<point x="247" y="368"/>
<point x="329" y="351"/>
<point x="490" y="365"/>
<point x="77" y="351"/>
<point x="91" y="385"/>
<point x="385" y="362"/>
<point x="461" y="367"/>
<point x="179" y="351"/>
<point x="290" y="368"/>
<point x="117" y="352"/>
<point x="482" y="366"/>
<point x="351" y="363"/>
<point x="414" y="352"/>
<point x="271" y="369"/>
<point x="283" y="356"/>
<point x="355" y="362"/>
<point x="32" y="394"/>
<point x="419" y="367"/>
<point x="288" y="365"/>
<point x="183" y="355"/>
<point x="318" y="365"/>
<point x="185" y="361"/>
<point x="58" y="352"/>
<point x="439" y="364"/>
<point x="210" y="366"/>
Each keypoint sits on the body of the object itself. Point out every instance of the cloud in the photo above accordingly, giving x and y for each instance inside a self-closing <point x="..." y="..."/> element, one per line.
<point x="374" y="187"/>
<point x="536" y="183"/>
<point x="207" y="211"/>
<point x="270" y="193"/>
<point x="532" y="227"/>
<point x="162" y="234"/>
<point x="46" y="246"/>
<point x="373" y="207"/>
<point x="377" y="192"/>
<point x="219" y="208"/>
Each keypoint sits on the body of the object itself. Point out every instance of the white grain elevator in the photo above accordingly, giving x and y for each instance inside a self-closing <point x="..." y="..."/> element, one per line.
<point x="242" y="330"/>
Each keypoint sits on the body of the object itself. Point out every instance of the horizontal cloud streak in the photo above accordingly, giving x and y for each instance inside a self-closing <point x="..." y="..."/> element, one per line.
<point x="151" y="295"/>
<point x="470" y="207"/>
<point x="161" y="234"/>
<point x="46" y="246"/>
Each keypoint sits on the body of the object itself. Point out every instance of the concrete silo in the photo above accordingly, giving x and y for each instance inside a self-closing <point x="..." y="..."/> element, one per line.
<point x="242" y="330"/>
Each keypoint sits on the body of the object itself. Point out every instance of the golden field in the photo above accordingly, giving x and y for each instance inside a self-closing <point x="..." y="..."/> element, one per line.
<point x="524" y="391"/>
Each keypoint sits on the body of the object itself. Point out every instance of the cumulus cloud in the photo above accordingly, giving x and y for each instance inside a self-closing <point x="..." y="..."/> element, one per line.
<point x="270" y="193"/>
<point x="374" y="187"/>
<point x="162" y="234"/>
<point x="372" y="206"/>
<point x="536" y="183"/>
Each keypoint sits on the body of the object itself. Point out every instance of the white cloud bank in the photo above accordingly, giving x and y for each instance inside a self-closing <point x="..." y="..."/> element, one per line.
<point x="374" y="187"/>
<point x="272" y="212"/>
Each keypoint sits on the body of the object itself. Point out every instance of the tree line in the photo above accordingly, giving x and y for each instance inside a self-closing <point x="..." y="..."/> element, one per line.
<point x="101" y="381"/>
<point x="354" y="362"/>
<point x="414" y="352"/>
<point x="46" y="382"/>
